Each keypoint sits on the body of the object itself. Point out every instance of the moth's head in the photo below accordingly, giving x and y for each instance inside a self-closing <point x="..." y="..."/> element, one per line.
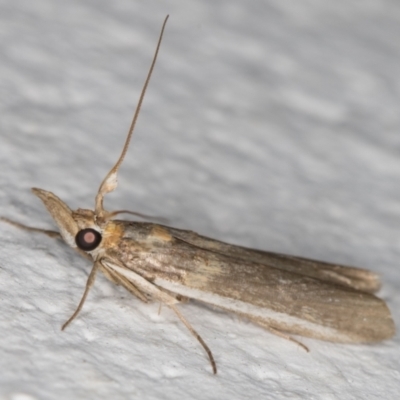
<point x="80" y="228"/>
<point x="87" y="229"/>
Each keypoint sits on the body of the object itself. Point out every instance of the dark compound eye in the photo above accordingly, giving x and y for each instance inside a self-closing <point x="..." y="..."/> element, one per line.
<point x="87" y="239"/>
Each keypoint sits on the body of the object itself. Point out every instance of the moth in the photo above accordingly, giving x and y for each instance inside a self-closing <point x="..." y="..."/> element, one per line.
<point x="284" y="294"/>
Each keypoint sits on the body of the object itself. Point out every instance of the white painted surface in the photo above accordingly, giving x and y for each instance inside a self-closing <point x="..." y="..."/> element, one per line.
<point x="271" y="124"/>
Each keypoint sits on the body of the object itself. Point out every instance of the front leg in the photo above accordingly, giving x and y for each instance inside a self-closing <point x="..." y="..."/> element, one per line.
<point x="157" y="294"/>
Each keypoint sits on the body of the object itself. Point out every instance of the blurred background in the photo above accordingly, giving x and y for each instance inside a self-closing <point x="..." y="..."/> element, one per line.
<point x="269" y="124"/>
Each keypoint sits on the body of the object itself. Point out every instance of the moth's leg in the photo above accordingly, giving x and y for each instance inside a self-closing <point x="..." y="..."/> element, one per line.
<point x="288" y="337"/>
<point x="183" y="299"/>
<point x="109" y="276"/>
<point x="89" y="284"/>
<point x="179" y="297"/>
<point x="53" y="234"/>
<point x="154" y="291"/>
<point x="120" y="280"/>
<point x="197" y="336"/>
<point x="279" y="333"/>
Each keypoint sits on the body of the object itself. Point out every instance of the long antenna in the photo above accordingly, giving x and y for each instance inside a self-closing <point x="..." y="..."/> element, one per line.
<point x="110" y="182"/>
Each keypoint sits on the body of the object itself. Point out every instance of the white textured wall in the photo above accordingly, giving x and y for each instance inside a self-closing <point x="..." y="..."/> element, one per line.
<point x="271" y="124"/>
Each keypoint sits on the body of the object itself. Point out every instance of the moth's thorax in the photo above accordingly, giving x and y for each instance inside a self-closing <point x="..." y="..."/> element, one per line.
<point x="143" y="247"/>
<point x="112" y="233"/>
<point x="144" y="232"/>
<point x="129" y="239"/>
